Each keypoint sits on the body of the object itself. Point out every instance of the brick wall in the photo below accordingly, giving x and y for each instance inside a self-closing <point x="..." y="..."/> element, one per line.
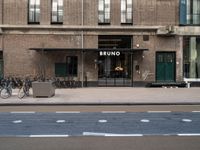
<point x="45" y="10"/>
<point x="145" y="12"/>
<point x="90" y="12"/>
<point x="72" y="12"/>
<point x="19" y="60"/>
<point x="155" y="44"/>
<point x="155" y="12"/>
<point x="1" y="42"/>
<point x="1" y="11"/>
<point x="15" y="12"/>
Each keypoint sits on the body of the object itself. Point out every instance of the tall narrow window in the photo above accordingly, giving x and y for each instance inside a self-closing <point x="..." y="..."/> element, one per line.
<point x="104" y="11"/>
<point x="193" y="12"/>
<point x="34" y="11"/>
<point x="191" y="57"/>
<point x="190" y="12"/>
<point x="126" y="11"/>
<point x="57" y="11"/>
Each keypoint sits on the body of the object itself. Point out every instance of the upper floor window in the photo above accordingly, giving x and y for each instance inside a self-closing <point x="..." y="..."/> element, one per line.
<point x="126" y="11"/>
<point x="34" y="11"/>
<point x="104" y="11"/>
<point x="57" y="11"/>
<point x="190" y="12"/>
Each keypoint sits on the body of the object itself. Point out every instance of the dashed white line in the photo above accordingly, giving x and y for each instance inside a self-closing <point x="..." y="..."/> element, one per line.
<point x="113" y="112"/>
<point x="111" y="134"/>
<point x="145" y="120"/>
<point x="158" y="111"/>
<point x="102" y="121"/>
<point x="186" y="120"/>
<point x="42" y="136"/>
<point x="187" y="134"/>
<point x="60" y="121"/>
<point x="93" y="134"/>
<point x="22" y="112"/>
<point x="123" y="135"/>
<point x="196" y="111"/>
<point x="17" y="121"/>
<point x="68" y="112"/>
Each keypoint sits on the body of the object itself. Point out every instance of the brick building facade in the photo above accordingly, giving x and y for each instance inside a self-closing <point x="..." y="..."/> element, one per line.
<point x="150" y="40"/>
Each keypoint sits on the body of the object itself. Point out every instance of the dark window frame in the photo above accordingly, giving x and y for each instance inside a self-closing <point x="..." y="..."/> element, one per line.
<point x="126" y="13"/>
<point x="35" y="13"/>
<point x="103" y="13"/>
<point x="187" y="13"/>
<point x="57" y="13"/>
<point x="191" y="14"/>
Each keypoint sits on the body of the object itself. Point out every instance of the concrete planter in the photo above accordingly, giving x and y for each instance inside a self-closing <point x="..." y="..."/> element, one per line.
<point x="43" y="89"/>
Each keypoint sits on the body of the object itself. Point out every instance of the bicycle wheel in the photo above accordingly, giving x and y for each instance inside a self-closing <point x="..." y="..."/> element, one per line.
<point x="5" y="93"/>
<point x="27" y="91"/>
<point x="21" y="93"/>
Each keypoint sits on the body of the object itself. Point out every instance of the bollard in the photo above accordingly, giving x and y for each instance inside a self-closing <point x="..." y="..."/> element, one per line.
<point x="188" y="85"/>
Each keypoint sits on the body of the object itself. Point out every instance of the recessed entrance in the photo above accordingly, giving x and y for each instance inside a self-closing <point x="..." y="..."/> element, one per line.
<point x="114" y="66"/>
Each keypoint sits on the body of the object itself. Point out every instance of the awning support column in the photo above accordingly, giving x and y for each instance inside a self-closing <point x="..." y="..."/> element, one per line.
<point x="132" y="69"/>
<point x="82" y="68"/>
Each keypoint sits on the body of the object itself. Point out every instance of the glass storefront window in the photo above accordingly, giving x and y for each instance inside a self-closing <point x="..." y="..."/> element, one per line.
<point x="191" y="55"/>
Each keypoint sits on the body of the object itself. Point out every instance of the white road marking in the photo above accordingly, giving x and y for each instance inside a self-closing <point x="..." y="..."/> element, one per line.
<point x="22" y="112"/>
<point x="93" y="134"/>
<point x="102" y="121"/>
<point x="186" y="120"/>
<point x="187" y="134"/>
<point x="145" y="120"/>
<point x="68" y="112"/>
<point x="166" y="134"/>
<point x="111" y="135"/>
<point x="60" y="121"/>
<point x="159" y="111"/>
<point x="113" y="112"/>
<point x="38" y="136"/>
<point x="124" y="135"/>
<point x="17" y="121"/>
<point x="196" y="111"/>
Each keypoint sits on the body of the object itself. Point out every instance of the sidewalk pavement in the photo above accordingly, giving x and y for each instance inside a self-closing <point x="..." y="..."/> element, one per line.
<point x="111" y="95"/>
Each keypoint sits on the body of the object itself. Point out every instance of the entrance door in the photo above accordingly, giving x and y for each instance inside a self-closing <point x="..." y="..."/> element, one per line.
<point x="165" y="67"/>
<point x="114" y="70"/>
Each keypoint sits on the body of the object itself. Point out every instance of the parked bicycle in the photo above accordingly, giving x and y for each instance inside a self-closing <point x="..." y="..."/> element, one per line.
<point x="6" y="90"/>
<point x="25" y="89"/>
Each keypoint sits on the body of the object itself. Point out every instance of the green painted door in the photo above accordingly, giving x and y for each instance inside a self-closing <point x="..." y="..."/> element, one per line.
<point x="165" y="67"/>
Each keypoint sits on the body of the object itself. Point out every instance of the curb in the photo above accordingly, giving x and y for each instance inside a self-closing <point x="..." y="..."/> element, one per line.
<point x="94" y="104"/>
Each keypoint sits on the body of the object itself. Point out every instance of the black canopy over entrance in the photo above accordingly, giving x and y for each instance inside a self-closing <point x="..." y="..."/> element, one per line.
<point x="116" y="76"/>
<point x="88" y="49"/>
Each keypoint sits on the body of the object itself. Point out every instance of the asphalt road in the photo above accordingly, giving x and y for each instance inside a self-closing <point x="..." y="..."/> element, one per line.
<point x="63" y="124"/>
<point x="100" y="127"/>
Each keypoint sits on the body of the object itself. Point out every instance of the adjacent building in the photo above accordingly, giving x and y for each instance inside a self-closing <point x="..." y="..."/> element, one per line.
<point x="101" y="42"/>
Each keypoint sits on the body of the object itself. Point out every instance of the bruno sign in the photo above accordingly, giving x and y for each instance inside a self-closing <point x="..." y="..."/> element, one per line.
<point x="109" y="53"/>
